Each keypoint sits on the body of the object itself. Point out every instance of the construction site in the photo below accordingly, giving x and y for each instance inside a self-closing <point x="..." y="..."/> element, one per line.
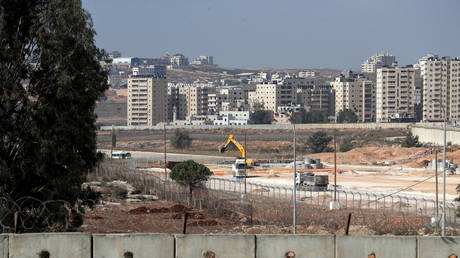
<point x="376" y="180"/>
<point x="378" y="163"/>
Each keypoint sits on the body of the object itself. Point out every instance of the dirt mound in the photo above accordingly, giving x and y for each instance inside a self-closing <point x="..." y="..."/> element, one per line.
<point x="146" y="210"/>
<point x="196" y="215"/>
<point x="178" y="208"/>
<point x="94" y="217"/>
<point x="140" y="210"/>
<point x="204" y="223"/>
<point x="420" y="163"/>
<point x="423" y="161"/>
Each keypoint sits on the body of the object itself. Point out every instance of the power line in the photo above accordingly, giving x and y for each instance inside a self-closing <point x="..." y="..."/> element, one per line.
<point x="402" y="189"/>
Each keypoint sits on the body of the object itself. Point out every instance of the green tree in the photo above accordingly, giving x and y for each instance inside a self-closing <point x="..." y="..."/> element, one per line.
<point x="181" y="139"/>
<point x="347" y="116"/>
<point x="262" y="117"/>
<point x="410" y="141"/>
<point x="315" y="117"/>
<point x="319" y="142"/>
<point x="51" y="77"/>
<point x="346" y="144"/>
<point x="191" y="174"/>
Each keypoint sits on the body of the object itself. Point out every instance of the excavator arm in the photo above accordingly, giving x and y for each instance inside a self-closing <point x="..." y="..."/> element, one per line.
<point x="236" y="143"/>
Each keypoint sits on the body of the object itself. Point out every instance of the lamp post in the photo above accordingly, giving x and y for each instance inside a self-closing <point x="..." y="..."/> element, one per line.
<point x="443" y="215"/>
<point x="294" y="186"/>
<point x="443" y="221"/>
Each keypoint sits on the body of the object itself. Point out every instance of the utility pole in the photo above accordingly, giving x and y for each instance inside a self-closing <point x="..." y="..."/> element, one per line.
<point x="112" y="144"/>
<point x="443" y="216"/>
<point x="443" y="221"/>
<point x="164" y="139"/>
<point x="436" y="174"/>
<point x="294" y="189"/>
<point x="245" y="162"/>
<point x="335" y="165"/>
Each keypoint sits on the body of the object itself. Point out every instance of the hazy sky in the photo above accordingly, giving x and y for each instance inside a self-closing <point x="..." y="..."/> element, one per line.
<point x="279" y="33"/>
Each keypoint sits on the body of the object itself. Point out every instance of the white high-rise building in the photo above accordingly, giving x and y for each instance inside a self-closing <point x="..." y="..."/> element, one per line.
<point x="396" y="94"/>
<point x="273" y="96"/>
<point x="441" y="88"/>
<point x="147" y="100"/>
<point x="356" y="93"/>
<point x="375" y="62"/>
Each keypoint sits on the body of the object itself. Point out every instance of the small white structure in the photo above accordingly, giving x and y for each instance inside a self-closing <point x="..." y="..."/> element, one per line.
<point x="230" y="119"/>
<point x="193" y="120"/>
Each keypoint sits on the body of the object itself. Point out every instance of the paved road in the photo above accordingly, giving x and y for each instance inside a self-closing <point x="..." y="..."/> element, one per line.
<point x="159" y="156"/>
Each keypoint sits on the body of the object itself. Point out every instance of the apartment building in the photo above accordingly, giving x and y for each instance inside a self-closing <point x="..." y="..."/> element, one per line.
<point x="396" y="94"/>
<point x="147" y="100"/>
<point x="203" y="60"/>
<point x="149" y="70"/>
<point x="317" y="98"/>
<point x="214" y="104"/>
<point x="271" y="96"/>
<point x="188" y="100"/>
<point x="379" y="61"/>
<point x="355" y="92"/>
<point x="307" y="74"/>
<point x="441" y="85"/>
<point x="178" y="61"/>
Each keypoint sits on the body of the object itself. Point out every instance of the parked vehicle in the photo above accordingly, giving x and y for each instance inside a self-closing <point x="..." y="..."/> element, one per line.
<point x="121" y="155"/>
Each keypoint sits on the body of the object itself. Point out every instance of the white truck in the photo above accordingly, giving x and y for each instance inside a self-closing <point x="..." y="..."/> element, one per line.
<point x="239" y="168"/>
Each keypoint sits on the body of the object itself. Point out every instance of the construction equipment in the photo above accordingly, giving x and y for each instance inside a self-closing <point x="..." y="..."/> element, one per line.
<point x="310" y="181"/>
<point x="241" y="163"/>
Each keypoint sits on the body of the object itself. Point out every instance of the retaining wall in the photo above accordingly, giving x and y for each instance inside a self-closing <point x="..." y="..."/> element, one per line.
<point x="269" y="127"/>
<point x="83" y="245"/>
<point x="435" y="134"/>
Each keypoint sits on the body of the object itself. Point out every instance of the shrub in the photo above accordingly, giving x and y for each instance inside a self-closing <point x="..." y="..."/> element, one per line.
<point x="181" y="139"/>
<point x="319" y="142"/>
<point x="346" y="144"/>
<point x="347" y="116"/>
<point x="262" y="117"/>
<point x="410" y="141"/>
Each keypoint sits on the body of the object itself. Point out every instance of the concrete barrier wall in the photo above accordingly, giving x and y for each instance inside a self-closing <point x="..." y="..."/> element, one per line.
<point x="381" y="247"/>
<point x="69" y="245"/>
<point x="434" y="247"/>
<point x="79" y="245"/>
<point x="139" y="245"/>
<point x="213" y="246"/>
<point x="275" y="246"/>
<point x="435" y="135"/>
<point x="3" y="245"/>
<point x="269" y="127"/>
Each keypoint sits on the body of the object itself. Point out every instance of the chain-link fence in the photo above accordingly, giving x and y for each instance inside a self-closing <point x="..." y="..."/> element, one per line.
<point x="270" y="208"/>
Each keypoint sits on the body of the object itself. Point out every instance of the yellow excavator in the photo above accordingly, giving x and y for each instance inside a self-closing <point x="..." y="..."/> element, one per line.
<point x="239" y="168"/>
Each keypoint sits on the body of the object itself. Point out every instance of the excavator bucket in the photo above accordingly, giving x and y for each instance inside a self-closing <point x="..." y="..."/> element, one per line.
<point x="221" y="149"/>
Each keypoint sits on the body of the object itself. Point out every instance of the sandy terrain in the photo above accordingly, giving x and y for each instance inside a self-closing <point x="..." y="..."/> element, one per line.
<point x="375" y="179"/>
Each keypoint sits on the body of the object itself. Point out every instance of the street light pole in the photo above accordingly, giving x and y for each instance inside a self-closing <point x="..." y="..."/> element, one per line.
<point x="443" y="216"/>
<point x="335" y="165"/>
<point x="436" y="174"/>
<point x="164" y="140"/>
<point x="245" y="162"/>
<point x="443" y="221"/>
<point x="294" y="189"/>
